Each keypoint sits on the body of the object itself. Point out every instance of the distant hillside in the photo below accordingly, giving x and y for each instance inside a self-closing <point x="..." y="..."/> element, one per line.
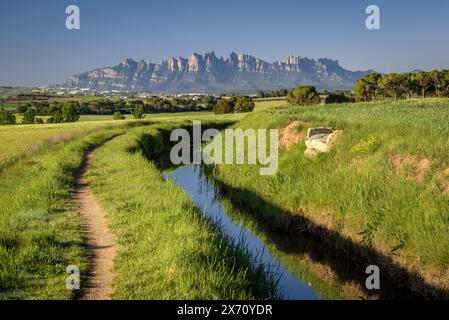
<point x="240" y="73"/>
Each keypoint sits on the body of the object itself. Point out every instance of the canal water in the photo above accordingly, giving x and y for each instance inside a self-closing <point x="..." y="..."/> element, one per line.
<point x="206" y="198"/>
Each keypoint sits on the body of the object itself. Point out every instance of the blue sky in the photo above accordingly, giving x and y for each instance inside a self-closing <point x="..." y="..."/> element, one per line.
<point x="37" y="49"/>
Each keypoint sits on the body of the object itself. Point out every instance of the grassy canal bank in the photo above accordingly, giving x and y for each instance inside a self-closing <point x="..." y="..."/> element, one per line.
<point x="167" y="248"/>
<point x="379" y="197"/>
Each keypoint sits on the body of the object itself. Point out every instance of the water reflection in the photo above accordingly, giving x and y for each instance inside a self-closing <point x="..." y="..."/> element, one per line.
<point x="205" y="198"/>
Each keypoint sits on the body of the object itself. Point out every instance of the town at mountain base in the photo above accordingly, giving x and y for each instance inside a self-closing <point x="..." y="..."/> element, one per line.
<point x="239" y="73"/>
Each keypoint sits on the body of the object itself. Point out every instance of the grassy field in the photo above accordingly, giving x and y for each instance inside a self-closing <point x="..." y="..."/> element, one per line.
<point x="384" y="186"/>
<point x="260" y="105"/>
<point x="270" y="103"/>
<point x="167" y="249"/>
<point x="21" y="141"/>
<point x="157" y="116"/>
<point x="40" y="234"/>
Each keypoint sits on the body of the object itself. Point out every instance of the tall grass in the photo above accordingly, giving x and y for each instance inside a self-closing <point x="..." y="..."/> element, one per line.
<point x="40" y="234"/>
<point x="167" y="249"/>
<point x="356" y="189"/>
<point x="22" y="141"/>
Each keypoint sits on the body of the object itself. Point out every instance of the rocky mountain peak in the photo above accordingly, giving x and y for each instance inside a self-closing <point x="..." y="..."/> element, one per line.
<point x="129" y="62"/>
<point x="207" y="73"/>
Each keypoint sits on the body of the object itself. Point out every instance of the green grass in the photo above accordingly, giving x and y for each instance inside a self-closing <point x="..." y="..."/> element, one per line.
<point x="356" y="189"/>
<point x="21" y="141"/>
<point x="327" y="287"/>
<point x="149" y="116"/>
<point x="40" y="234"/>
<point x="167" y="249"/>
<point x="270" y="103"/>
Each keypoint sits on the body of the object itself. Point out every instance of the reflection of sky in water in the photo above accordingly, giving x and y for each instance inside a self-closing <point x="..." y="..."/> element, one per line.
<point x="203" y="195"/>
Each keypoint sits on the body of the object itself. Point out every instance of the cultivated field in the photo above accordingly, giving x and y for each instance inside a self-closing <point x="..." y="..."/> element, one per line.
<point x="21" y="141"/>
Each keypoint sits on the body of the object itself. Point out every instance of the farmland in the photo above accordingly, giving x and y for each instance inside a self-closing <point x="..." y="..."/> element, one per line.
<point x="23" y="140"/>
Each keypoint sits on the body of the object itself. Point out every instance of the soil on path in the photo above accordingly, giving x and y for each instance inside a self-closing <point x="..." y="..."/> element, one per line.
<point x="100" y="242"/>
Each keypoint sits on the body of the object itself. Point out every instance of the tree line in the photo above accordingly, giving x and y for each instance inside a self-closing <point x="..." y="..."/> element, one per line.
<point x="308" y="95"/>
<point x="70" y="111"/>
<point x="273" y="93"/>
<point x="109" y="106"/>
<point x="376" y="86"/>
<point x="67" y="112"/>
<point x="237" y="104"/>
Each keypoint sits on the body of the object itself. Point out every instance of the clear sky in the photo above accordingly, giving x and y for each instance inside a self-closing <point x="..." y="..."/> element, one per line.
<point x="37" y="49"/>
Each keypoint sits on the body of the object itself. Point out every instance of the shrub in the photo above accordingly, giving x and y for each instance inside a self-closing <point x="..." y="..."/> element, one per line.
<point x="234" y="105"/>
<point x="243" y="104"/>
<point x="303" y="96"/>
<point x="7" y="117"/>
<point x="138" y="112"/>
<point x="23" y="108"/>
<point x="118" y="116"/>
<point x="29" y="117"/>
<point x="368" y="88"/>
<point x="224" y="106"/>
<point x="71" y="112"/>
<point x="57" y="117"/>
<point x="39" y="121"/>
<point x="366" y="145"/>
<point x="337" y="98"/>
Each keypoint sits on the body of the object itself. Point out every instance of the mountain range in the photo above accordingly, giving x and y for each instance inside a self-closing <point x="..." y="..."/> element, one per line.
<point x="206" y="73"/>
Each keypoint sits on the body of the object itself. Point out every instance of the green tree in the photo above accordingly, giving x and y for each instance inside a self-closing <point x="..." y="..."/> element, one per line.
<point x="425" y="81"/>
<point x="303" y="96"/>
<point x="411" y="87"/>
<point x="224" y="106"/>
<point x="29" y="117"/>
<point x="7" y="117"/>
<point x="444" y="84"/>
<point x="22" y="108"/>
<point x="243" y="104"/>
<point x="138" y="112"/>
<point x="118" y="116"/>
<point x="368" y="88"/>
<point x="209" y="102"/>
<point x="394" y="85"/>
<point x="56" y="117"/>
<point x="361" y="93"/>
<point x="71" y="112"/>
<point x="436" y="80"/>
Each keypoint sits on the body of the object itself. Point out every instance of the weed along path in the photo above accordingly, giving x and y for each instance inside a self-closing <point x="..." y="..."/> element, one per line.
<point x="100" y="242"/>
